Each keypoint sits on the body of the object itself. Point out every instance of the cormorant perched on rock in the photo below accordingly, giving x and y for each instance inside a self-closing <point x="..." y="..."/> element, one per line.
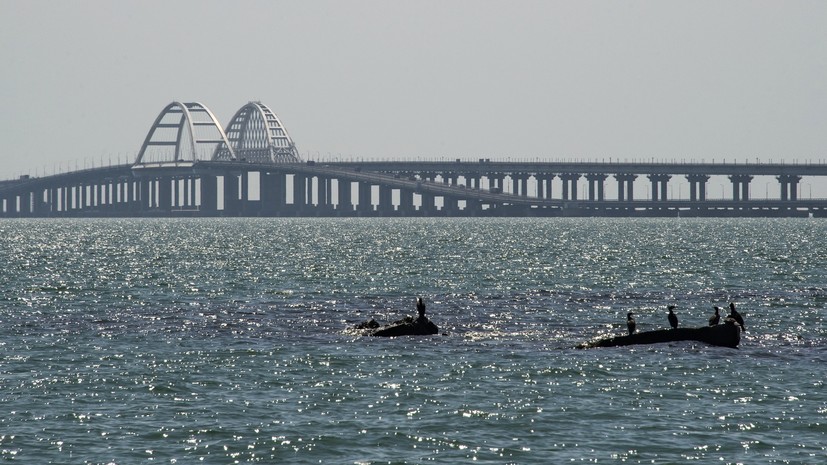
<point x="716" y="318"/>
<point x="736" y="316"/>
<point x="630" y="323"/>
<point x="420" y="308"/>
<point x="673" y="319"/>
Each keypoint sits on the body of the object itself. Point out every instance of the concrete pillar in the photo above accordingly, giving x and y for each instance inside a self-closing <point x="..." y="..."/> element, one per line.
<point x="596" y="183"/>
<point x="521" y="184"/>
<point x="789" y="186"/>
<point x="365" y="198"/>
<point x="209" y="195"/>
<point x="740" y="186"/>
<point x="385" y="200"/>
<point x="299" y="192"/>
<point x="428" y="203"/>
<point x="165" y="193"/>
<point x="697" y="186"/>
<point x="625" y="186"/>
<point x="570" y="185"/>
<point x="548" y="179"/>
<point x="659" y="186"/>
<point x="345" y="204"/>
<point x="245" y="192"/>
<point x="325" y="194"/>
<point x="232" y="205"/>
<point x="406" y="206"/>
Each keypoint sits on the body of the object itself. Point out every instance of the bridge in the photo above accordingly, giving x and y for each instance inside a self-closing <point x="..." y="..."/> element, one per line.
<point x="189" y="165"/>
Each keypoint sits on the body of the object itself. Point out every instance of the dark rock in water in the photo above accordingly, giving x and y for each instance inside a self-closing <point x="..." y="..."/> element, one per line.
<point x="370" y="324"/>
<point x="720" y="335"/>
<point x="404" y="327"/>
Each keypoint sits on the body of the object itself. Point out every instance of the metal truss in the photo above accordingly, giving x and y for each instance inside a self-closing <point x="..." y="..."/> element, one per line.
<point x="184" y="132"/>
<point x="256" y="135"/>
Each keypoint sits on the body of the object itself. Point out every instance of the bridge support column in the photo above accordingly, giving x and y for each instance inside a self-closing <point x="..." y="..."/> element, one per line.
<point x="659" y="185"/>
<point x="472" y="181"/>
<point x="165" y="193"/>
<point x="596" y="183"/>
<point x="231" y="200"/>
<point x="789" y="186"/>
<point x="145" y="194"/>
<point x="625" y="186"/>
<point x="25" y="208"/>
<point x="40" y="207"/>
<point x="325" y="194"/>
<point x="299" y="193"/>
<point x="271" y="192"/>
<point x="547" y="180"/>
<point x="365" y="196"/>
<point x="740" y="186"/>
<point x="428" y="206"/>
<point x="497" y="181"/>
<point x="344" y="204"/>
<point x="697" y="186"/>
<point x="176" y="200"/>
<point x="54" y="200"/>
<point x="244" y="201"/>
<point x="193" y="195"/>
<point x="308" y="189"/>
<point x="520" y="184"/>
<point x="209" y="195"/>
<point x="406" y="205"/>
<point x="105" y="194"/>
<point x="570" y="185"/>
<point x="385" y="200"/>
<point x="84" y="196"/>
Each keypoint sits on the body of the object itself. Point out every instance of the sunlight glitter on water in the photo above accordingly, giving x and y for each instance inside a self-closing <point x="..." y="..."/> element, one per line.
<point x="181" y="340"/>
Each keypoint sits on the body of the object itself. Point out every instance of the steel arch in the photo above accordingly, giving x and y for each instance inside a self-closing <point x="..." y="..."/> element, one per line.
<point x="190" y="128"/>
<point x="257" y="136"/>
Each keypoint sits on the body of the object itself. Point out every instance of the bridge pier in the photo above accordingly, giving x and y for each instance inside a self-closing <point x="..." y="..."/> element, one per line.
<point x="385" y="206"/>
<point x="164" y="193"/>
<point x="428" y="206"/>
<point x="740" y="186"/>
<point x="364" y="207"/>
<point x="496" y="182"/>
<point x="548" y="179"/>
<point x="325" y="195"/>
<point x="659" y="186"/>
<point x="789" y="186"/>
<point x="519" y="182"/>
<point x="209" y="195"/>
<point x="625" y="187"/>
<point x="570" y="185"/>
<point x="697" y="186"/>
<point x="344" y="201"/>
<point x="231" y="199"/>
<point x="299" y="193"/>
<point x="406" y="203"/>
<point x="596" y="182"/>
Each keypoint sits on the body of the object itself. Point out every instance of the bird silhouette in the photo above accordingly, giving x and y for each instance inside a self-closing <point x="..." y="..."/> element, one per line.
<point x="673" y="319"/>
<point x="630" y="322"/>
<point x="736" y="316"/>
<point x="716" y="318"/>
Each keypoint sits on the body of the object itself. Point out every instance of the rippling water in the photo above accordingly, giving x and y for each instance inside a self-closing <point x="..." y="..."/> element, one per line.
<point x="221" y="341"/>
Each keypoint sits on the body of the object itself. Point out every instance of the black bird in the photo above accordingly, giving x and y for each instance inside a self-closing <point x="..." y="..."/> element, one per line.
<point x="630" y="322"/>
<point x="736" y="316"/>
<point x="673" y="319"/>
<point x="716" y="318"/>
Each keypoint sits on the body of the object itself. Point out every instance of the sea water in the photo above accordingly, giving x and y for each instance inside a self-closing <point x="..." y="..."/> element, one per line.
<point x="223" y="341"/>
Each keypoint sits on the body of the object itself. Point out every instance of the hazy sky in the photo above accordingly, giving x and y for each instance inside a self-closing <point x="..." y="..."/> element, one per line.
<point x="83" y="81"/>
